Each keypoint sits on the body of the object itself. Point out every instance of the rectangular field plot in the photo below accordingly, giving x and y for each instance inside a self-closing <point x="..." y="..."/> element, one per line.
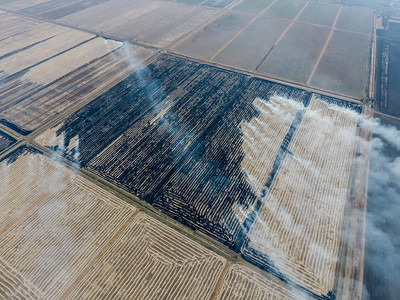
<point x="52" y="224"/>
<point x="209" y="40"/>
<point x="356" y="19"/>
<point x="28" y="99"/>
<point x="241" y="282"/>
<point x="218" y="3"/>
<point x="296" y="54"/>
<point x="134" y="20"/>
<point x="321" y="13"/>
<point x="176" y="129"/>
<point x="55" y="9"/>
<point x="298" y="232"/>
<point x="151" y="261"/>
<point x="210" y="147"/>
<point x="42" y="50"/>
<point x="5" y="141"/>
<point x="286" y="9"/>
<point x="248" y="49"/>
<point x="344" y="66"/>
<point x="253" y="6"/>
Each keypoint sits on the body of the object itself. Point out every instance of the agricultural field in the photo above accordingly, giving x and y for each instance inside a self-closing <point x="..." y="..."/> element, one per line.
<point x="363" y="23"/>
<point x="5" y="141"/>
<point x="46" y="68"/>
<point x="297" y="53"/>
<point x="344" y="66"/>
<point x="242" y="282"/>
<point x="179" y="136"/>
<point x="293" y="40"/>
<point x="387" y="70"/>
<point x="162" y="264"/>
<point x="218" y="3"/>
<point x="247" y="50"/>
<point x="210" y="39"/>
<point x="134" y="20"/>
<point x="286" y="9"/>
<point x="305" y="192"/>
<point x="253" y="6"/>
<point x="61" y="237"/>
<point x="320" y="13"/>
<point x="186" y="146"/>
<point x="52" y="224"/>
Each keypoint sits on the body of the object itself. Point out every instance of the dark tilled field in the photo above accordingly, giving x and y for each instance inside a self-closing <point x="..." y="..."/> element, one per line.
<point x="170" y="135"/>
<point x="5" y="141"/>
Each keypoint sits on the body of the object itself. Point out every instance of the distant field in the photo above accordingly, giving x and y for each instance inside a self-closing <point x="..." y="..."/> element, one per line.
<point x="287" y="9"/>
<point x="218" y="3"/>
<point x="134" y="20"/>
<point x="5" y="141"/>
<point x="355" y="18"/>
<point x="321" y="13"/>
<point x="343" y="68"/>
<point x="253" y="6"/>
<point x="247" y="50"/>
<point x="161" y="264"/>
<point x="193" y="2"/>
<point x="209" y="40"/>
<point x="393" y="80"/>
<point x="46" y="68"/>
<point x="296" y="54"/>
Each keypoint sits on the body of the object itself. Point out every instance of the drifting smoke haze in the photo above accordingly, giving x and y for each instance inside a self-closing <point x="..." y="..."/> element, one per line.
<point x="382" y="257"/>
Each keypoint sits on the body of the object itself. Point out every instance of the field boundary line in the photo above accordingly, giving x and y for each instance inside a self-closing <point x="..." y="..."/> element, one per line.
<point x="221" y="281"/>
<point x="372" y="75"/>
<point x="333" y="27"/>
<point x="243" y="29"/>
<point x="24" y="213"/>
<point x="102" y="251"/>
<point x="292" y="22"/>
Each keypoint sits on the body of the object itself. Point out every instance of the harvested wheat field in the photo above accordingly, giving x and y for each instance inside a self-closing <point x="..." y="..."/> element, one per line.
<point x="50" y="85"/>
<point x="63" y="237"/>
<point x="301" y="222"/>
<point x="242" y="282"/>
<point x="151" y="261"/>
<point x="53" y="223"/>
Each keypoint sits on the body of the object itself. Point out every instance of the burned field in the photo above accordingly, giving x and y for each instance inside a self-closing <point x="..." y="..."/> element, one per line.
<point x="205" y="146"/>
<point x="5" y="141"/>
